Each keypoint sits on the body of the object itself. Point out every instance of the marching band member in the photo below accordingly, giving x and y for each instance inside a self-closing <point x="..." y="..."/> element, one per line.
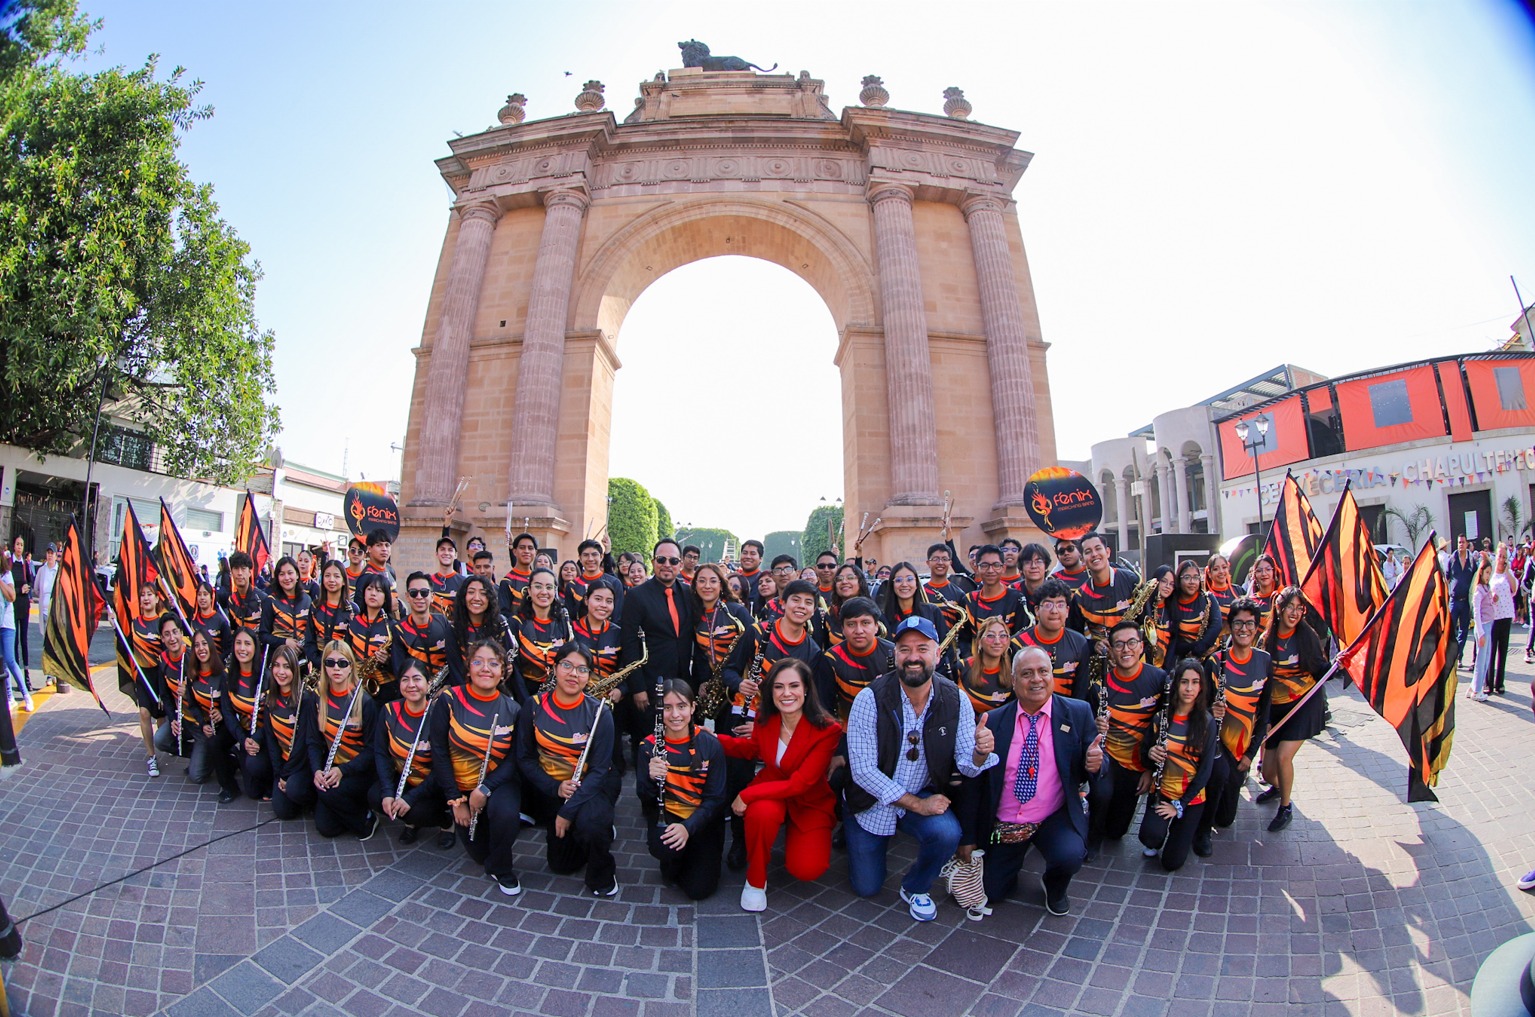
<point x="597" y="634"/>
<point x="902" y="596"/>
<point x="794" y="739"/>
<point x="285" y="706"/>
<point x="402" y="736"/>
<point x="1134" y="693"/>
<point x="539" y="627"/>
<point x="724" y="633"/>
<point x="483" y="564"/>
<point x="1104" y="597"/>
<point x="447" y="578"/>
<point x="1219" y="585"/>
<point x="1012" y="550"/>
<point x="308" y="579"/>
<point x="1070" y="570"/>
<point x="514" y="585"/>
<point x="994" y="598"/>
<point x="475" y="620"/>
<point x="1158" y="610"/>
<point x="285" y="615"/>
<point x="330" y="615"/>
<point x="682" y="794"/>
<point x="769" y="608"/>
<point x="1243" y="720"/>
<point x="848" y="583"/>
<point x="211" y="620"/>
<point x="945" y="591"/>
<point x="1034" y="566"/>
<point x="911" y="736"/>
<point x="138" y="668"/>
<point x="1299" y="662"/>
<point x="241" y="679"/>
<point x="1047" y="747"/>
<point x="1262" y="588"/>
<point x="378" y="548"/>
<point x="825" y="572"/>
<point x="421" y="636"/>
<point x="473" y="762"/>
<point x="691" y="555"/>
<point x="750" y="572"/>
<point x="171" y="667"/>
<point x="339" y="738"/>
<point x="356" y="565"/>
<point x="847" y="668"/>
<point x="986" y="676"/>
<point x="205" y="687"/>
<point x="1194" y="617"/>
<point x="371" y="631"/>
<point x="1069" y="650"/>
<point x="1183" y="757"/>
<point x="244" y="604"/>
<point x="590" y="552"/>
<point x="572" y="797"/>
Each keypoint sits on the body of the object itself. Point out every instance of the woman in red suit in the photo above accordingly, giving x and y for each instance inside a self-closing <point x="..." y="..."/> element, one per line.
<point x="795" y="738"/>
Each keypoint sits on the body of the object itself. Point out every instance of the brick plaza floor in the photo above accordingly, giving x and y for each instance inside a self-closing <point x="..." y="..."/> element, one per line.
<point x="1365" y="905"/>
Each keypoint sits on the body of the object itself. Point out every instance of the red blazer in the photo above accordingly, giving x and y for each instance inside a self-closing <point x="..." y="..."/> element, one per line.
<point x="801" y="777"/>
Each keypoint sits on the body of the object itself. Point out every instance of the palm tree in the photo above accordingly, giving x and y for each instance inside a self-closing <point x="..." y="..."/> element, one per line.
<point x="1513" y="517"/>
<point x="1416" y="522"/>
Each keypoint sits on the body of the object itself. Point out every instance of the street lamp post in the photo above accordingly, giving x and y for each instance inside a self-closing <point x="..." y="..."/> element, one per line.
<point x="1252" y="446"/>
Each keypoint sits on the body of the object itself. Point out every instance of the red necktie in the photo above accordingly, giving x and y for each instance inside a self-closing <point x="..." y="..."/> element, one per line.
<point x="671" y="605"/>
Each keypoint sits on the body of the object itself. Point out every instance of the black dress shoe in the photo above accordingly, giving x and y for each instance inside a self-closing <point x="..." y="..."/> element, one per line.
<point x="408" y="835"/>
<point x="1202" y="846"/>
<point x="736" y="857"/>
<point x="225" y="797"/>
<point x="446" y="839"/>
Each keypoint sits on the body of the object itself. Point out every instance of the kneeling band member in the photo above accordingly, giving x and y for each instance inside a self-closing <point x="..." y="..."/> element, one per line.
<point x="472" y="735"/>
<point x="340" y="745"/>
<point x="682" y="793"/>
<point x="1183" y="756"/>
<point x="565" y="754"/>
<point x="286" y="706"/>
<point x="1134" y="694"/>
<point x="417" y="800"/>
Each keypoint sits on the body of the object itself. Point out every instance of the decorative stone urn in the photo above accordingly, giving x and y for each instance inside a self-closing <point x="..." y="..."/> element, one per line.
<point x="515" y="110"/>
<point x="873" y="93"/>
<point x="590" y="100"/>
<point x="955" y="104"/>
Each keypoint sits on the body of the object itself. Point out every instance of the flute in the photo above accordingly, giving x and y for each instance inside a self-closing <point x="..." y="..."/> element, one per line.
<point x="181" y="698"/>
<point x="410" y="757"/>
<point x="660" y="732"/>
<point x="335" y="745"/>
<point x="490" y="743"/>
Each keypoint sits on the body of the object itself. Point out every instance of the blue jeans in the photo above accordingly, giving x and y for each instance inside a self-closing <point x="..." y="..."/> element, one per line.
<point x="937" y="837"/>
<point x="12" y="673"/>
<point x="1460" y="625"/>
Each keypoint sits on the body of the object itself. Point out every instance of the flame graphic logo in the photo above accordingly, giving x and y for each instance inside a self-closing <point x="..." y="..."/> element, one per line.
<point x="357" y="510"/>
<point x="1043" y="506"/>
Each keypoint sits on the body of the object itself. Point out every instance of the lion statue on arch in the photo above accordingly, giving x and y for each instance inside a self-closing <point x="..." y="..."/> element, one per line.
<point x="696" y="54"/>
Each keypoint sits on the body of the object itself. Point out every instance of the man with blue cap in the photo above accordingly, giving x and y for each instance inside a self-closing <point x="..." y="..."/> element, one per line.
<point x="911" y="736"/>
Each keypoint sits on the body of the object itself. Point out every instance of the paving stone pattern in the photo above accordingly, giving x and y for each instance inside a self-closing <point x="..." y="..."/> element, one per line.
<point x="1365" y="905"/>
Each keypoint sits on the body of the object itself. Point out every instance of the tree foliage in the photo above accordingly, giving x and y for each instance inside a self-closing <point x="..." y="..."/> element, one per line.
<point x="631" y="517"/>
<point x="813" y="541"/>
<point x="782" y="542"/>
<point x="116" y="272"/>
<point x="1417" y="521"/>
<point x="664" y="526"/>
<point x="710" y="540"/>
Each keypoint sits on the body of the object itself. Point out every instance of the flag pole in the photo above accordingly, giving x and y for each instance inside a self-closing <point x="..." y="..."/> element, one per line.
<point x="128" y="647"/>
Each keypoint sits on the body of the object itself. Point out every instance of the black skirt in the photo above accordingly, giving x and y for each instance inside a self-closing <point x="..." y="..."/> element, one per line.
<point x="1307" y="722"/>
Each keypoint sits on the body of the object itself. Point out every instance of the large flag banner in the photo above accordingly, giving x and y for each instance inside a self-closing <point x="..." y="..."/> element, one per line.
<point x="72" y="619"/>
<point x="1404" y="663"/>
<point x="1344" y="584"/>
<point x="248" y="535"/>
<point x="1294" y="536"/>
<point x="176" y="564"/>
<point x="135" y="570"/>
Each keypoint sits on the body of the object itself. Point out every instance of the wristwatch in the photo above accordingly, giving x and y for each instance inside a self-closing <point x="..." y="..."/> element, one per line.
<point x="485" y="791"/>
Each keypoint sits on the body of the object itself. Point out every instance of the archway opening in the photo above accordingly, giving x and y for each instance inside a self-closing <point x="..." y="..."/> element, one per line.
<point x="728" y="407"/>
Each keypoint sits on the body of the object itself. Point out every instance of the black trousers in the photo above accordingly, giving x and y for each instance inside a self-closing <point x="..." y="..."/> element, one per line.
<point x="1112" y="798"/>
<point x="344" y="808"/>
<point x="1497" y="645"/>
<point x="1222" y="795"/>
<point x="23" y="606"/>
<point x="290" y="804"/>
<point x="255" y="772"/>
<point x="495" y="834"/>
<point x="1173" y="837"/>
<point x="428" y="807"/>
<point x="1056" y="839"/>
<point x="588" y="842"/>
<point x="696" y="868"/>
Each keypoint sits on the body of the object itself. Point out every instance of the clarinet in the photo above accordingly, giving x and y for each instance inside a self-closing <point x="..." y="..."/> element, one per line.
<point x="181" y="698"/>
<point x="410" y="757"/>
<point x="1166" y="719"/>
<point x="490" y="743"/>
<point x="335" y="745"/>
<point x="660" y="753"/>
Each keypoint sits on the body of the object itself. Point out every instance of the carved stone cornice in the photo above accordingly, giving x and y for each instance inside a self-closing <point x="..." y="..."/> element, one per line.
<point x="483" y="208"/>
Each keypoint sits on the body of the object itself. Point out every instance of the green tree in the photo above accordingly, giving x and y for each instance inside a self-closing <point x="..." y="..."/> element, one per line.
<point x="814" y="541"/>
<point x="117" y="275"/>
<point x="711" y="540"/>
<point x="782" y="542"/>
<point x="631" y="517"/>
<point x="663" y="521"/>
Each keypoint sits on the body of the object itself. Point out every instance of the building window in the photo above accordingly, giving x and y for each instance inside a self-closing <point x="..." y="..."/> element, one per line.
<point x="203" y="519"/>
<point x="1510" y="388"/>
<point x="122" y="447"/>
<point x="1389" y="403"/>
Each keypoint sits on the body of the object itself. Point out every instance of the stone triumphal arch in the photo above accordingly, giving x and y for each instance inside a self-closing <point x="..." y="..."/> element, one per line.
<point x="903" y="223"/>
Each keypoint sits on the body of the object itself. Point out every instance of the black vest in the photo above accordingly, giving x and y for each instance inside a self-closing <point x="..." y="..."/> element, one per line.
<point x="940" y="724"/>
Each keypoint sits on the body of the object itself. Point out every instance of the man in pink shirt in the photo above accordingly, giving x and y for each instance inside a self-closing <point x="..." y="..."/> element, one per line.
<point x="1048" y="746"/>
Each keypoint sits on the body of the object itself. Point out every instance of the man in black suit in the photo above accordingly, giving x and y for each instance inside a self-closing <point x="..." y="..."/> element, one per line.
<point x="663" y="610"/>
<point x="1047" y="746"/>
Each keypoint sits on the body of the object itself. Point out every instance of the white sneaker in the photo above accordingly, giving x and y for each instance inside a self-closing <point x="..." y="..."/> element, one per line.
<point x="920" y="906"/>
<point x="1481" y="697"/>
<point x="1147" y="852"/>
<point x="753" y="898"/>
<point x="153" y="766"/>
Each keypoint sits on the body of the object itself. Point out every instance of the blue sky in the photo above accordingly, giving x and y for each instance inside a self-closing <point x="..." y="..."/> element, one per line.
<point x="1217" y="188"/>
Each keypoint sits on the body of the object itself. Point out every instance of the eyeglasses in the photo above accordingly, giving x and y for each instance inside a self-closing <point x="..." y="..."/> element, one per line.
<point x="419" y="593"/>
<point x="578" y="669"/>
<point x="480" y="664"/>
<point x="988" y="566"/>
<point x="664" y="560"/>
<point x="1125" y="644"/>
<point x="1247" y="623"/>
<point x="337" y="662"/>
<point x="912" y="738"/>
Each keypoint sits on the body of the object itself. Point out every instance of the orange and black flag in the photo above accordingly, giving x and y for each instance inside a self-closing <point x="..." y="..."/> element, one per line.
<point x="72" y="619"/>
<point x="248" y="535"/>
<point x="1294" y="536"/>
<point x="1345" y="585"/>
<point x="176" y="564"/>
<point x="1404" y="663"/>
<point x="135" y="570"/>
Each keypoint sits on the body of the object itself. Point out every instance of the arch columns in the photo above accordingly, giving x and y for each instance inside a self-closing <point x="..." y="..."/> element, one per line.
<point x="1164" y="496"/>
<point x="1122" y="488"/>
<point x="1212" y="503"/>
<point x="1181" y="484"/>
<point x="1007" y="349"/>
<point x="437" y="463"/>
<point x="536" y="412"/>
<point x="908" y="366"/>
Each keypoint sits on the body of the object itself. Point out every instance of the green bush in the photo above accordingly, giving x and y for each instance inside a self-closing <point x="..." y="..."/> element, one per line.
<point x="781" y="542"/>
<point x="663" y="521"/>
<point x="711" y="540"/>
<point x="631" y="517"/>
<point x="813" y="540"/>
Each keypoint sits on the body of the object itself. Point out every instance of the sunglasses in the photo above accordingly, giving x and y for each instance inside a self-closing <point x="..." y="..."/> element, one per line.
<point x="912" y="737"/>
<point x="419" y="593"/>
<point x="337" y="662"/>
<point x="662" y="560"/>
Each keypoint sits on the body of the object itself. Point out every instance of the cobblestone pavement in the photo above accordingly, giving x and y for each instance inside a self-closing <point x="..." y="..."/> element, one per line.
<point x="1365" y="905"/>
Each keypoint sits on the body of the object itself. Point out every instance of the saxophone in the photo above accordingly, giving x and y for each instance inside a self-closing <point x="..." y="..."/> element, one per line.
<point x="712" y="694"/>
<point x="598" y="688"/>
<point x="367" y="671"/>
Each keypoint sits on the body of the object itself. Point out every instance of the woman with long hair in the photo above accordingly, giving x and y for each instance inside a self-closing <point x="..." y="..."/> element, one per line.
<point x="1185" y="754"/>
<point x="847" y="583"/>
<point x="212" y="741"/>
<point x="340" y="741"/>
<point x="1219" y="585"/>
<point x="769" y="606"/>
<point x="207" y="616"/>
<point x="682" y="794"/>
<point x="240" y="679"/>
<point x="987" y="675"/>
<point x="1194" y="617"/>
<point x="794" y="738"/>
<point x="1262" y="588"/>
<point x="370" y="633"/>
<point x="285" y="614"/>
<point x="330" y="614"/>
<point x="402" y="739"/>
<point x="1482" y="598"/>
<point x="476" y="619"/>
<point x="903" y="596"/>
<point x="1502" y="585"/>
<point x="1299" y="662"/>
<point x="724" y="636"/>
<point x="285" y="702"/>
<point x="540" y="627"/>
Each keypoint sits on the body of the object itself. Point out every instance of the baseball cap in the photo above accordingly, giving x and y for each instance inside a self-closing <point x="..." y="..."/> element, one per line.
<point x="915" y="623"/>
